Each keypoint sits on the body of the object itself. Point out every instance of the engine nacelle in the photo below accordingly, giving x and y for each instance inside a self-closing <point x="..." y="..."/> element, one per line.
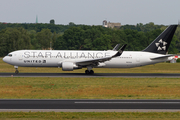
<point x="69" y="66"/>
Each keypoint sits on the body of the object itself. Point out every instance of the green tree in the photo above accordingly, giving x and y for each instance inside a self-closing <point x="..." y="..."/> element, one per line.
<point x="3" y="43"/>
<point x="177" y="33"/>
<point x="59" y="43"/>
<point x="34" y="43"/>
<point x="54" y="38"/>
<point x="52" y="21"/>
<point x="44" y="38"/>
<point x="12" y="39"/>
<point x="172" y="47"/>
<point x="102" y="43"/>
<point x="71" y="24"/>
<point x="73" y="38"/>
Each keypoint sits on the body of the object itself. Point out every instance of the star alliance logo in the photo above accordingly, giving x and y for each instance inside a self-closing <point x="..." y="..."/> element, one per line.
<point x="161" y="45"/>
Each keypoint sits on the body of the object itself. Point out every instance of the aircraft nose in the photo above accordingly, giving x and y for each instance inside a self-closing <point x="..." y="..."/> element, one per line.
<point x="5" y="59"/>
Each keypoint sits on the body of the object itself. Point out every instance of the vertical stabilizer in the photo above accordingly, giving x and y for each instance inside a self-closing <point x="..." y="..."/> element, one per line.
<point x="161" y="43"/>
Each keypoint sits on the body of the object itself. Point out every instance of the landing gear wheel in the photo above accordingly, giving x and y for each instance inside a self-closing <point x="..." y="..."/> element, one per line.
<point x="87" y="71"/>
<point x="16" y="68"/>
<point x="16" y="71"/>
<point x="91" y="72"/>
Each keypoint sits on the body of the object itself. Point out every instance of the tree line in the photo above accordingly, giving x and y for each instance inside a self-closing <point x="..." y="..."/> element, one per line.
<point x="80" y="37"/>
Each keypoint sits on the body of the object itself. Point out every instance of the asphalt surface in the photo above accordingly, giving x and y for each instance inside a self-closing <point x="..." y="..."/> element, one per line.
<point x="139" y="75"/>
<point x="90" y="104"/>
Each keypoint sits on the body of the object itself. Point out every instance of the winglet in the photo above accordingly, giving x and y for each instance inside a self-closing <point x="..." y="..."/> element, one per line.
<point x="116" y="47"/>
<point x="120" y="51"/>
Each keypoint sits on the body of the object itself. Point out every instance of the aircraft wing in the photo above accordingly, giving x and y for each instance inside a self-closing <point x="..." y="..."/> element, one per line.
<point x="116" y="47"/>
<point x="99" y="60"/>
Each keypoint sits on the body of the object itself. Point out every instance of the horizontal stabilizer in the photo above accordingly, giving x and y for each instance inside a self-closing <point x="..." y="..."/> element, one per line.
<point x="165" y="56"/>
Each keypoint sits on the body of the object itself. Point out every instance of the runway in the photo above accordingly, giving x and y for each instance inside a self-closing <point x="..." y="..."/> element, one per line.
<point x="133" y="75"/>
<point x="90" y="105"/>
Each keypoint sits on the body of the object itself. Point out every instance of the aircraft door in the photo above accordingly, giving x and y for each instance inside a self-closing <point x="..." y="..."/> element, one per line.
<point x="20" y="56"/>
<point x="137" y="59"/>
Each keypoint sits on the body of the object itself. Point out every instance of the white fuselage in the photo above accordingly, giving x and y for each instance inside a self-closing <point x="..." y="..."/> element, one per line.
<point x="54" y="58"/>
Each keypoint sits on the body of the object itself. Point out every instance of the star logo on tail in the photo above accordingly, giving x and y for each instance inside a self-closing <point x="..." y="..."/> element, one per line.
<point x="161" y="45"/>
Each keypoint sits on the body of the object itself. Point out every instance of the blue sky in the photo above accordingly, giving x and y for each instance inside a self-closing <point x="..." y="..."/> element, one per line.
<point x="91" y="12"/>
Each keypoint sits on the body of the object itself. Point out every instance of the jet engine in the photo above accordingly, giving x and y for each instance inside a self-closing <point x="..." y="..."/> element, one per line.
<point x="69" y="66"/>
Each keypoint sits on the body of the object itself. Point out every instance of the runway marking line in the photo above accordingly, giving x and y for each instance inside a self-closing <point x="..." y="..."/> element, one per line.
<point x="127" y="102"/>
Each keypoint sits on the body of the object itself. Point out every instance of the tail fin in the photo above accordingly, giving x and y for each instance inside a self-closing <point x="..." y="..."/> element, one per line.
<point x="161" y="43"/>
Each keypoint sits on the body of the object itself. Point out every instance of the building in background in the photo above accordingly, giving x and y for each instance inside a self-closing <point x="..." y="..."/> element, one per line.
<point x="111" y="25"/>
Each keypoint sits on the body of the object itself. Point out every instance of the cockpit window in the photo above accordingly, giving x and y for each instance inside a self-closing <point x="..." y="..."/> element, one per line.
<point x="10" y="55"/>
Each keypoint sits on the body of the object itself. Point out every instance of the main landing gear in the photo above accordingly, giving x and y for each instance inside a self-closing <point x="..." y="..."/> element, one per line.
<point x="89" y="70"/>
<point x="16" y="68"/>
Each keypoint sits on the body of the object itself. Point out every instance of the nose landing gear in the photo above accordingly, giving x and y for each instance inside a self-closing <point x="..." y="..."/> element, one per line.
<point x="16" y="68"/>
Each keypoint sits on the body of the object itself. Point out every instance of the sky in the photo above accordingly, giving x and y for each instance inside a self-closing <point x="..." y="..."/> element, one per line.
<point x="91" y="12"/>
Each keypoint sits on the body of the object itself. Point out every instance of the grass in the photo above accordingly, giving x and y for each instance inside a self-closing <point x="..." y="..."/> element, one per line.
<point x="157" y="68"/>
<point x="89" y="88"/>
<point x="89" y="116"/>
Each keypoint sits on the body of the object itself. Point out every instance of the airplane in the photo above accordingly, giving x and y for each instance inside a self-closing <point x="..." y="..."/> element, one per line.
<point x="70" y="60"/>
